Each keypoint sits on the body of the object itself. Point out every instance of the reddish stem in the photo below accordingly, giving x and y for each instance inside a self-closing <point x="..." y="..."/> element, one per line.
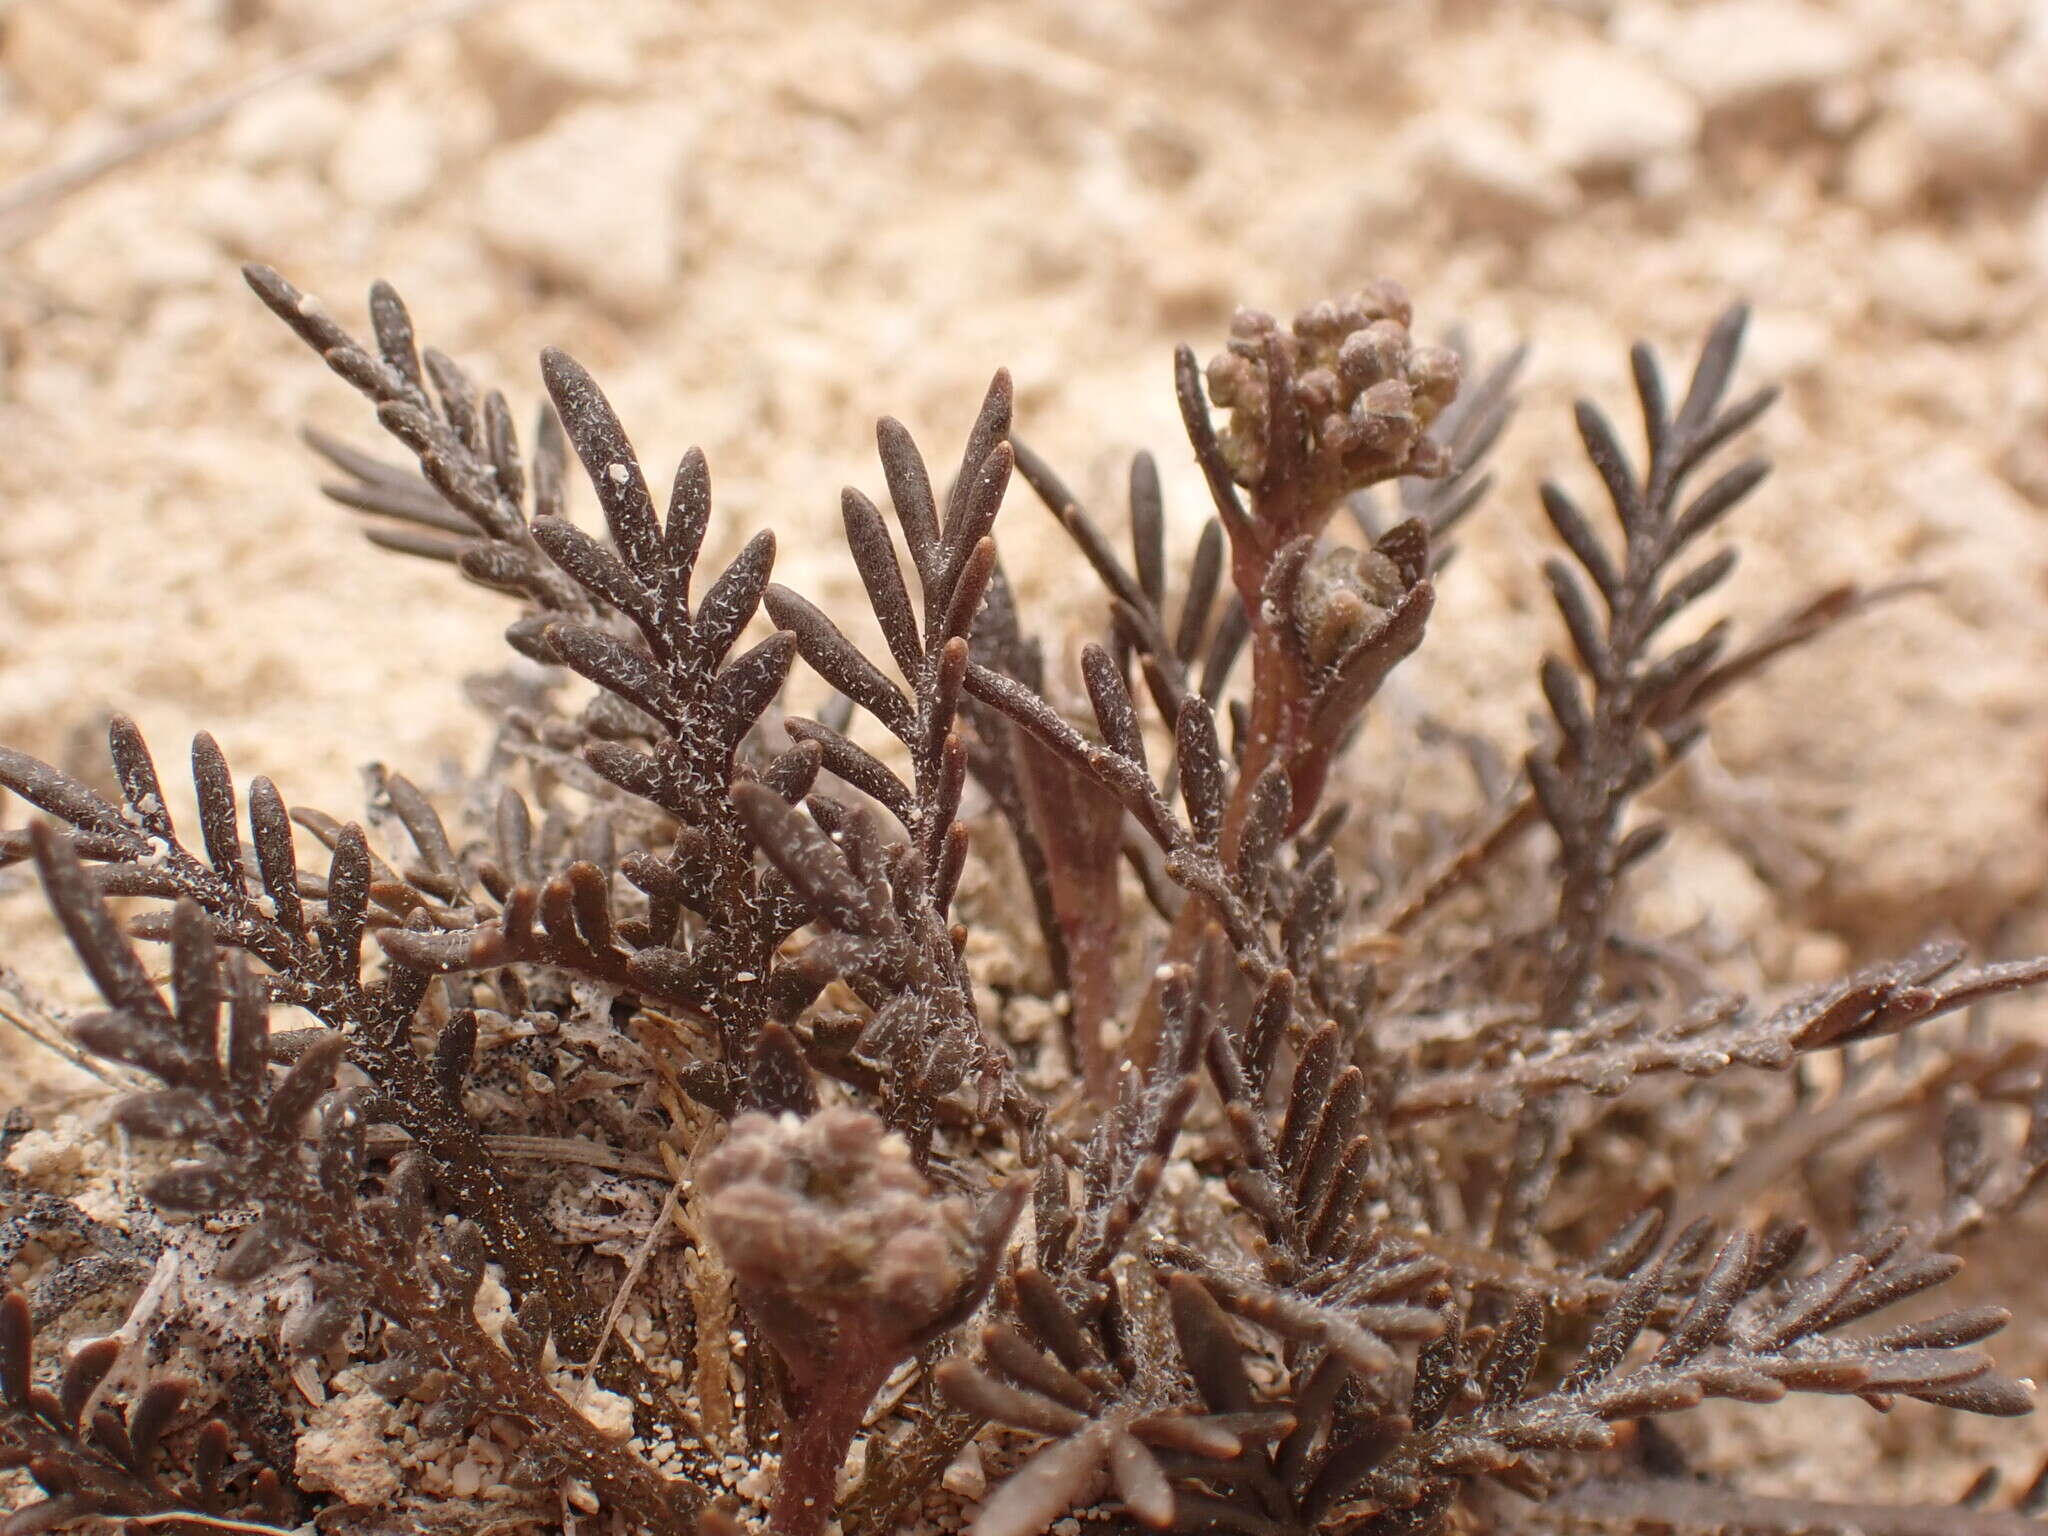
<point x="1077" y="822"/>
<point x="816" y="1438"/>
<point x="1278" y="733"/>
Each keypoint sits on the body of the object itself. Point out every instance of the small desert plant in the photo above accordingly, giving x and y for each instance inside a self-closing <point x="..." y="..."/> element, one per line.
<point x="661" y="1156"/>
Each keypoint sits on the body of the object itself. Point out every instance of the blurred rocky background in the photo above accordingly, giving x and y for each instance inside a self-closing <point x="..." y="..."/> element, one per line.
<point x="764" y="225"/>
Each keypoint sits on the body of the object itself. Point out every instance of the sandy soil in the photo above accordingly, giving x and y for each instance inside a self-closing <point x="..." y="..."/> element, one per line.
<point x="762" y="226"/>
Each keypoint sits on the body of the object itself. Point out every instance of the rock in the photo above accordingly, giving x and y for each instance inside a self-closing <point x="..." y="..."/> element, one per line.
<point x="1787" y="343"/>
<point x="609" y="1413"/>
<point x="1887" y="168"/>
<point x="58" y="55"/>
<point x="1044" y="97"/>
<point x="388" y="157"/>
<point x="1838" y="110"/>
<point x="1814" y="958"/>
<point x="1192" y="291"/>
<point x="493" y="1305"/>
<point x="249" y="214"/>
<point x="2023" y="67"/>
<point x="1932" y="281"/>
<point x="1944" y="818"/>
<point x="594" y="203"/>
<point x="1886" y="871"/>
<point x="124" y="241"/>
<point x="966" y="1476"/>
<point x="535" y="61"/>
<point x="294" y="126"/>
<point x="1969" y="130"/>
<point x="345" y="1449"/>
<point x="47" y="1158"/>
<point x="1699" y="881"/>
<point x="1600" y="109"/>
<point x="1489" y="174"/>
<point x="1738" y="53"/>
<point x="1977" y="536"/>
<point x="2023" y="458"/>
<point x="1162" y="151"/>
<point x="2037" y="241"/>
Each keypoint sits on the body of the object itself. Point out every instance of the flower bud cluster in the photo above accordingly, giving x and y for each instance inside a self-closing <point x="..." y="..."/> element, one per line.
<point x="1365" y="393"/>
<point x="830" y="1215"/>
<point x="1342" y="598"/>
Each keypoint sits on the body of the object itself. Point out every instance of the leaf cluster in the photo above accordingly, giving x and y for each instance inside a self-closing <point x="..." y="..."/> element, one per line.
<point x="1362" y="1196"/>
